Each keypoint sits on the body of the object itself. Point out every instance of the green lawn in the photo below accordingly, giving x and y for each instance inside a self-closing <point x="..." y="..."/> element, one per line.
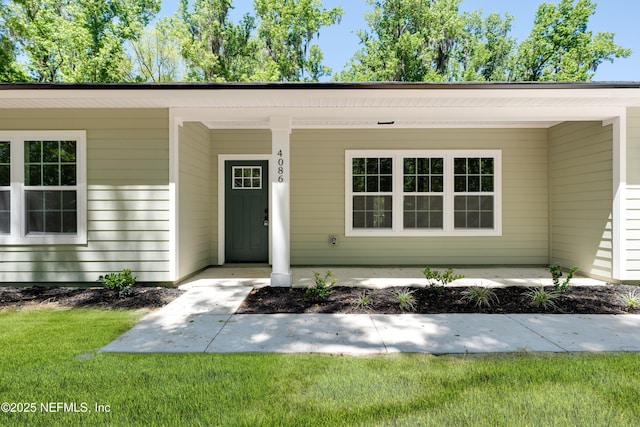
<point x="49" y="356"/>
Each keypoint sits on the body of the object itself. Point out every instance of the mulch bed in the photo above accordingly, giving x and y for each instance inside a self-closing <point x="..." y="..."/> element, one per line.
<point x="140" y="297"/>
<point x="267" y="300"/>
<point x="584" y="300"/>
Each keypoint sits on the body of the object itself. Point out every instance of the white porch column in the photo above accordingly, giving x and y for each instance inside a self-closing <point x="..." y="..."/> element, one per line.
<point x="280" y="205"/>
<point x="619" y="217"/>
<point x="175" y="123"/>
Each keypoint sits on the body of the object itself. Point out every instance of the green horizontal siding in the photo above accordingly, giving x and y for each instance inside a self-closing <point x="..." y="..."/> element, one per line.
<point x="318" y="194"/>
<point x="581" y="183"/>
<point x="127" y="191"/>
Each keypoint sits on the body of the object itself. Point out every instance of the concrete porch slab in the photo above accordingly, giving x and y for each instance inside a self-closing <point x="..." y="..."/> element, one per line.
<point x="380" y="277"/>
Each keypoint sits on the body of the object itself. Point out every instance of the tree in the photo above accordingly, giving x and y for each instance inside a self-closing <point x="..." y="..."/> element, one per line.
<point x="213" y="47"/>
<point x="102" y="27"/>
<point x="10" y="70"/>
<point x="287" y="29"/>
<point x="408" y="40"/>
<point x="156" y="56"/>
<point x="560" y="46"/>
<point x="77" y="40"/>
<point x="36" y="27"/>
<point x="486" y="52"/>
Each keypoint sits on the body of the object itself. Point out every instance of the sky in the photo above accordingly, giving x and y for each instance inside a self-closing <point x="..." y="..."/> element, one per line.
<point x="339" y="42"/>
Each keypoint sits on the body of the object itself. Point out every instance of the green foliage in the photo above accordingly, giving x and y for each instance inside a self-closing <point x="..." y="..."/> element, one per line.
<point x="420" y="40"/>
<point x="75" y="40"/>
<point x="321" y="289"/>
<point x="121" y="282"/>
<point x="10" y="70"/>
<point x="407" y="40"/>
<point x="404" y="297"/>
<point x="214" y="48"/>
<point x="556" y="275"/>
<point x="562" y="48"/>
<point x="541" y="298"/>
<point x="630" y="300"/>
<point x="437" y="279"/>
<point x="480" y="296"/>
<point x="287" y="29"/>
<point x="363" y="301"/>
<point x="156" y="56"/>
<point x="486" y="51"/>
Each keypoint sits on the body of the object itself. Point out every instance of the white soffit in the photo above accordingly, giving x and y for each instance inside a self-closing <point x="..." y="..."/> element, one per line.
<point x="415" y="107"/>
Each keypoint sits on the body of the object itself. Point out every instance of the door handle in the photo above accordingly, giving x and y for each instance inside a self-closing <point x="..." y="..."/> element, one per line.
<point x="265" y="222"/>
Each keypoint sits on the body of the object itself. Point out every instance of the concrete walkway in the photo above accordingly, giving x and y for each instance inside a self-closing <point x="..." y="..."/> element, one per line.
<point x="203" y="320"/>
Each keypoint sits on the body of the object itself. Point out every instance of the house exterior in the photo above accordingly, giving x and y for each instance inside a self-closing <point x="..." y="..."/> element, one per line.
<point x="169" y="179"/>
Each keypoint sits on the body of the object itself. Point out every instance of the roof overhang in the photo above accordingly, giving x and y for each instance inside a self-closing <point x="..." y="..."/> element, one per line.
<point x="344" y="105"/>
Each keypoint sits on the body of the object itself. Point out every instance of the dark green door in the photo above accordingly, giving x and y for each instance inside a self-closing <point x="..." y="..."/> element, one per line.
<point x="246" y="211"/>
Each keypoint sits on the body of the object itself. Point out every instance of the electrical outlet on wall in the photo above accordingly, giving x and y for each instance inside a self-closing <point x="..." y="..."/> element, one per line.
<point x="333" y="240"/>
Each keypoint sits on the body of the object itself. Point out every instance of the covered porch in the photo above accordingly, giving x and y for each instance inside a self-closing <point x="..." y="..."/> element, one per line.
<point x="381" y="277"/>
<point x="561" y="198"/>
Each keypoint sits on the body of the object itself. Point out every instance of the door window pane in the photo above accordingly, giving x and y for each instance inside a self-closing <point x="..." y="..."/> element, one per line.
<point x="247" y="177"/>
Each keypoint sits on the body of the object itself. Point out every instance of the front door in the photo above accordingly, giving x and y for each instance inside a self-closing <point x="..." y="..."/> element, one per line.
<point x="246" y="211"/>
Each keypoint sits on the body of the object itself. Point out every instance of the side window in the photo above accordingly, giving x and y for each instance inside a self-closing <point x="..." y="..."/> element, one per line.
<point x="43" y="187"/>
<point x="50" y="187"/>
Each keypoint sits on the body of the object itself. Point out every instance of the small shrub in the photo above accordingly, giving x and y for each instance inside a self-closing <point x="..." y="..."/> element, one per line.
<point x="541" y="298"/>
<point x="363" y="301"/>
<point x="630" y="300"/>
<point x="556" y="275"/>
<point x="438" y="279"/>
<point x="122" y="282"/>
<point x="321" y="289"/>
<point x="405" y="299"/>
<point x="480" y="296"/>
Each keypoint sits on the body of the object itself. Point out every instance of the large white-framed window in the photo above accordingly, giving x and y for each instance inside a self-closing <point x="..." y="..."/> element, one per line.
<point x="43" y="196"/>
<point x="423" y="192"/>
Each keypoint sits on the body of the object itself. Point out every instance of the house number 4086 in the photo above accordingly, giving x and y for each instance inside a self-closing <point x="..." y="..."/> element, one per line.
<point x="280" y="167"/>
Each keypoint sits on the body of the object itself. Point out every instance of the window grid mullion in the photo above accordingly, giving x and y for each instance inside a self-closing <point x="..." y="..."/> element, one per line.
<point x="448" y="193"/>
<point x="18" y="227"/>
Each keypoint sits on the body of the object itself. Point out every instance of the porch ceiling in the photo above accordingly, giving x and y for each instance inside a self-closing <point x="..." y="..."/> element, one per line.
<point x="340" y="106"/>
